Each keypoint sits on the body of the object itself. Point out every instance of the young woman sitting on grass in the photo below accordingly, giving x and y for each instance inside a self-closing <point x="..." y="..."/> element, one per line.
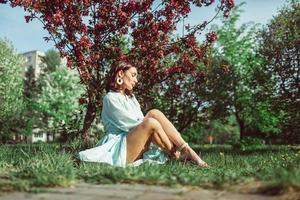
<point x="132" y="138"/>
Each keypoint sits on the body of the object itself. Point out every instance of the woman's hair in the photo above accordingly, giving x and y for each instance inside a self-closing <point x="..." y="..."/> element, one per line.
<point x="111" y="83"/>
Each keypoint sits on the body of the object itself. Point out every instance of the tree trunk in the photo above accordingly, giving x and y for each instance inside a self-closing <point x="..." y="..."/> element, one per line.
<point x="242" y="126"/>
<point x="88" y="120"/>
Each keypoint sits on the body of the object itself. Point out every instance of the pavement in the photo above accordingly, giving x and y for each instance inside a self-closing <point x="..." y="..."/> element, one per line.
<point x="85" y="191"/>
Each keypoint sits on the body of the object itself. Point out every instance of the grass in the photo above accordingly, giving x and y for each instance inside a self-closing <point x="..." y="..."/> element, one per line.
<point x="23" y="167"/>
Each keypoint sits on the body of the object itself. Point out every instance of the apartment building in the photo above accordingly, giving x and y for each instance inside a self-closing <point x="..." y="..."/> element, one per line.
<point x="33" y="59"/>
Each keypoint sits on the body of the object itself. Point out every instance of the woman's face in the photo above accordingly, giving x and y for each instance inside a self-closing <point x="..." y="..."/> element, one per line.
<point x="129" y="78"/>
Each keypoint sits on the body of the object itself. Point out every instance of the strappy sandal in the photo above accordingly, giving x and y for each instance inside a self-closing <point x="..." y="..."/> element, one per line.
<point x="186" y="157"/>
<point x="184" y="145"/>
<point x="183" y="155"/>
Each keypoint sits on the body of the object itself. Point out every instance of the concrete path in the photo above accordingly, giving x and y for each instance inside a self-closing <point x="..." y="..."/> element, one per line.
<point x="84" y="191"/>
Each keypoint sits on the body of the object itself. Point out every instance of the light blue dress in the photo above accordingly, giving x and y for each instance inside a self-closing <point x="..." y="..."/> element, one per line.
<point x="120" y="114"/>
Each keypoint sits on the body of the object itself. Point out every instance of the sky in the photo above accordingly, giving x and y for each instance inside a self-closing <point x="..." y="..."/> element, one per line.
<point x="29" y="36"/>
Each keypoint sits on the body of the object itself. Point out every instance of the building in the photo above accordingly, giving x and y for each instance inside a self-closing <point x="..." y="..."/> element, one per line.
<point x="37" y="136"/>
<point x="33" y="59"/>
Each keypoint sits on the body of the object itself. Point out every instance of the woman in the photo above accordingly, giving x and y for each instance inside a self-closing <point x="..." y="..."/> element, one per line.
<point x="132" y="138"/>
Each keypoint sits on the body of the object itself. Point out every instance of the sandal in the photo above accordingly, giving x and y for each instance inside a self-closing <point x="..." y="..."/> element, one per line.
<point x="183" y="155"/>
<point x="184" y="145"/>
<point x="187" y="155"/>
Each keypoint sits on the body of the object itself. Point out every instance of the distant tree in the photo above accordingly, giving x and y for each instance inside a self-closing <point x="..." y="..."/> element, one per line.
<point x="182" y="99"/>
<point x="88" y="33"/>
<point x="280" y="48"/>
<point x="236" y="92"/>
<point x="52" y="98"/>
<point x="57" y="104"/>
<point x="30" y="119"/>
<point x="30" y="82"/>
<point x="216" y="131"/>
<point x="11" y="88"/>
<point x="51" y="61"/>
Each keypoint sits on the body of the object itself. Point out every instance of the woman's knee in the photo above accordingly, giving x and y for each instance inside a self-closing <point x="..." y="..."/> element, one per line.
<point x="153" y="113"/>
<point x="151" y="123"/>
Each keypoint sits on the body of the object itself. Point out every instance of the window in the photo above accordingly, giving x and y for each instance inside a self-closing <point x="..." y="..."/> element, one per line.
<point x="38" y="135"/>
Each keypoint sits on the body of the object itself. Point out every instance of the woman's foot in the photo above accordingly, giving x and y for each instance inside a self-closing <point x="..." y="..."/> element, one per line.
<point x="188" y="154"/>
<point x="196" y="158"/>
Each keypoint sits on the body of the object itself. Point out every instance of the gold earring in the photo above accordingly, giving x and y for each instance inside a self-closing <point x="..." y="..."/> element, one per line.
<point x="119" y="81"/>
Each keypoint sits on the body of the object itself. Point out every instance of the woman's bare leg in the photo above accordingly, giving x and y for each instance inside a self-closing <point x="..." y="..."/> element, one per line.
<point x="168" y="127"/>
<point x="139" y="138"/>
<point x="174" y="135"/>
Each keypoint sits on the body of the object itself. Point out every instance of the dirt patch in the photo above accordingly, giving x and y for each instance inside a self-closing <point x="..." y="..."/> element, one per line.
<point x="245" y="191"/>
<point x="256" y="187"/>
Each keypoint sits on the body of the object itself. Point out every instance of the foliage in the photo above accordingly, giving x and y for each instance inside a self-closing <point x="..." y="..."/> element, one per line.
<point x="181" y="99"/>
<point x="57" y="104"/>
<point x="236" y="91"/>
<point x="11" y="87"/>
<point x="29" y="117"/>
<point x="32" y="118"/>
<point x="280" y="47"/>
<point x="89" y="33"/>
<point x="229" y="85"/>
<point x="220" y="131"/>
<point x="248" y="142"/>
<point x="51" y="61"/>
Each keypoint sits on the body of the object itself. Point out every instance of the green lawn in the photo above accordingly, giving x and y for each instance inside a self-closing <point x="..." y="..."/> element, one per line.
<point x="23" y="167"/>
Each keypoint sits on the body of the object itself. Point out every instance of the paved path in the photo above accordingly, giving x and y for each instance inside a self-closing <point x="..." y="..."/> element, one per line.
<point x="84" y="191"/>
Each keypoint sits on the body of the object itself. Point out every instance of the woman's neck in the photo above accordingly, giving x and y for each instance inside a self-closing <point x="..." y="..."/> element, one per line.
<point x="119" y="90"/>
<point x="122" y="92"/>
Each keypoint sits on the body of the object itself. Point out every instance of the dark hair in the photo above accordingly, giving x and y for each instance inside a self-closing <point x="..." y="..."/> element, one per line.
<point x="111" y="81"/>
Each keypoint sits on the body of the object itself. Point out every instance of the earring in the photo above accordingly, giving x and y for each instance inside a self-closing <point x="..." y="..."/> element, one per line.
<point x="119" y="81"/>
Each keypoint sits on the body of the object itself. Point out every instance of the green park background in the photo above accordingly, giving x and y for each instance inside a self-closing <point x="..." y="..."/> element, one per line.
<point x="244" y="117"/>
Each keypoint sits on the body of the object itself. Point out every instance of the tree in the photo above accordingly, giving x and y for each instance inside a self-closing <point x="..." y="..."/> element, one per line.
<point x="182" y="98"/>
<point x="215" y="131"/>
<point x="236" y="93"/>
<point x="51" y="61"/>
<point x="31" y="90"/>
<point x="280" y="48"/>
<point x="30" y="119"/>
<point x="57" y="104"/>
<point x="88" y="33"/>
<point x="11" y="87"/>
<point x="52" y="98"/>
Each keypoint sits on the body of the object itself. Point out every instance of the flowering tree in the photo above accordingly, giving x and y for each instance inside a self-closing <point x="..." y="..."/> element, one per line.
<point x="11" y="88"/>
<point x="89" y="35"/>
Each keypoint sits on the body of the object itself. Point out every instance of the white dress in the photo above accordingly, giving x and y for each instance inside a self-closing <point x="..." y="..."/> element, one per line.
<point x="120" y="114"/>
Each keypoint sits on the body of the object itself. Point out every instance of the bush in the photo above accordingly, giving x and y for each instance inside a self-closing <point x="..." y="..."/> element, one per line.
<point x="248" y="142"/>
<point x="222" y="131"/>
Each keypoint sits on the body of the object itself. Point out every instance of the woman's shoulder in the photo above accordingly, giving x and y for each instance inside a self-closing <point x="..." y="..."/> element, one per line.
<point x="114" y="96"/>
<point x="111" y="95"/>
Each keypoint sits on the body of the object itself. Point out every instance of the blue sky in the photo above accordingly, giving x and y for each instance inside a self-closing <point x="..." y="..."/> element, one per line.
<point x="29" y="36"/>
